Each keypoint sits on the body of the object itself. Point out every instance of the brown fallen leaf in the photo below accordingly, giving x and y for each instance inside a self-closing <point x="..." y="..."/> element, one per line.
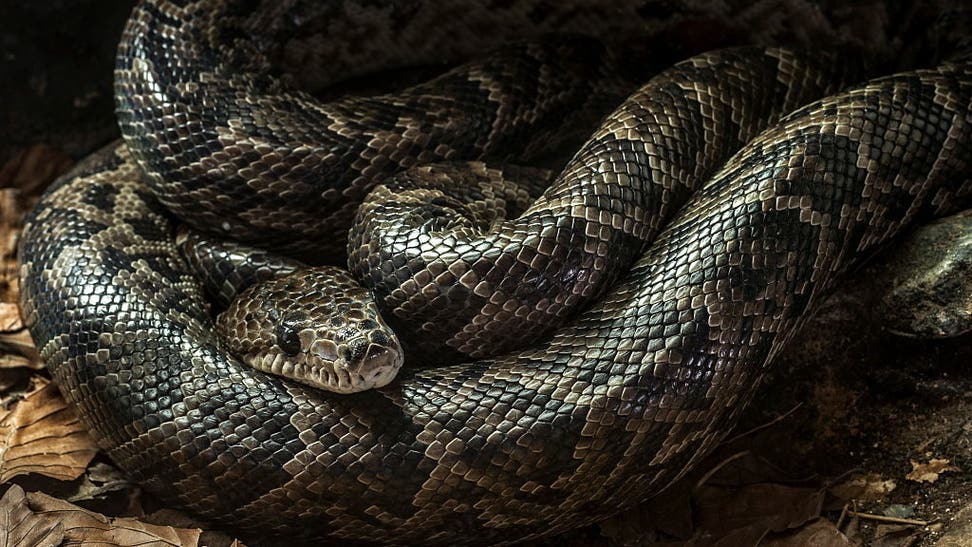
<point x="20" y="526"/>
<point x="853" y="529"/>
<point x="33" y="168"/>
<point x="98" y="480"/>
<point x="10" y="317"/>
<point x="776" y="507"/>
<point x="863" y="487"/>
<point x="670" y="515"/>
<point x="11" y="378"/>
<point x="178" y="519"/>
<point x="747" y="467"/>
<point x="83" y="527"/>
<point x="17" y="349"/>
<point x="41" y="434"/>
<point x="629" y="528"/>
<point x="817" y="533"/>
<point x="11" y="213"/>
<point x="747" y="535"/>
<point x="929" y="472"/>
<point x="896" y="536"/>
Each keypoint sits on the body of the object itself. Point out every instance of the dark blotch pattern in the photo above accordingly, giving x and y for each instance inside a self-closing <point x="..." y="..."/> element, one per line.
<point x="609" y="410"/>
<point x="463" y="269"/>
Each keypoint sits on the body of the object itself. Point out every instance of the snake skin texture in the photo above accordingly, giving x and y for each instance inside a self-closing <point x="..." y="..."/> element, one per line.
<point x="269" y="164"/>
<point x="226" y="268"/>
<point x="457" y="286"/>
<point x="611" y="408"/>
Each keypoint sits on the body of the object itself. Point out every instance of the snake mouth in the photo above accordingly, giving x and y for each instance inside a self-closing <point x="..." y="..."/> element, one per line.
<point x="377" y="367"/>
<point x="380" y="365"/>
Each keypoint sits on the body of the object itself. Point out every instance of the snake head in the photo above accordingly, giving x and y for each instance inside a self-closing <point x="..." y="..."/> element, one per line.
<point x="316" y="326"/>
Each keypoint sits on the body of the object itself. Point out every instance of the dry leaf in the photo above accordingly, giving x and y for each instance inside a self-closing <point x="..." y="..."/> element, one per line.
<point x="11" y="377"/>
<point x="42" y="435"/>
<point x="819" y="533"/>
<point x="928" y="472"/>
<point x="99" y="480"/>
<point x="863" y="487"/>
<point x="20" y="526"/>
<point x="10" y="317"/>
<point x="83" y="527"/>
<point x="853" y="530"/>
<point x="209" y="539"/>
<point x="628" y="528"/>
<point x="777" y="507"/>
<point x="173" y="517"/>
<point x="959" y="530"/>
<point x="17" y="349"/>
<point x="743" y="468"/>
<point x="670" y="515"/>
<point x="892" y="535"/>
<point x="11" y="213"/>
<point x="33" y="168"/>
<point x="178" y="519"/>
<point x="747" y="535"/>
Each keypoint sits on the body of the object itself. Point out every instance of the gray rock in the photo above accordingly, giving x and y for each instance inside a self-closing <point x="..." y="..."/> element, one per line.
<point x="928" y="281"/>
<point x="959" y="528"/>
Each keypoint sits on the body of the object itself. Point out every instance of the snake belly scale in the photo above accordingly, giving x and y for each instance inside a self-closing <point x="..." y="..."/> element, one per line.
<point x="613" y="406"/>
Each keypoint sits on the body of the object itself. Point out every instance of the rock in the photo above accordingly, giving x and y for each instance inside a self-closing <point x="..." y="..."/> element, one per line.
<point x="959" y="532"/>
<point x="900" y="511"/>
<point x="929" y="281"/>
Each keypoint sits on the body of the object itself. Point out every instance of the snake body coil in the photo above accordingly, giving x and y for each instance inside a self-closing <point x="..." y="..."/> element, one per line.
<point x="613" y="406"/>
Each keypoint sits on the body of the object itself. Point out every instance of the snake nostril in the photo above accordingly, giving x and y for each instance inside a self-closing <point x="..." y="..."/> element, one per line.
<point x="375" y="352"/>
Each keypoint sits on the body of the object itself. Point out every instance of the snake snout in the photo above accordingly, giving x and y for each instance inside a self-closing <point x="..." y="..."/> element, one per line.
<point x="375" y="364"/>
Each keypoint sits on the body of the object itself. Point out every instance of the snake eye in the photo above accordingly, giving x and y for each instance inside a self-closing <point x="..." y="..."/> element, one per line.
<point x="288" y="340"/>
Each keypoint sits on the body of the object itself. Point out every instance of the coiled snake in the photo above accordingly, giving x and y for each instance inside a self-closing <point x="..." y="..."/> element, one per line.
<point x="633" y="389"/>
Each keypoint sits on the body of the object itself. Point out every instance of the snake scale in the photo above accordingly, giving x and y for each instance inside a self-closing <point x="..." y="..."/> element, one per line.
<point x="607" y="410"/>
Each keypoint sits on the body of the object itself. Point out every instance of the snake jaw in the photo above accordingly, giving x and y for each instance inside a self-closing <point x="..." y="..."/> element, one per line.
<point x="322" y="369"/>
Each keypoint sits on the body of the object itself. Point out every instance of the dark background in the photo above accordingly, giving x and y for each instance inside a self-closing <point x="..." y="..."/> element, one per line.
<point x="56" y="60"/>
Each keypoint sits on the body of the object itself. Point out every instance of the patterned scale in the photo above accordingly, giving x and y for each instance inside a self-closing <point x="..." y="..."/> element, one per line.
<point x="613" y="406"/>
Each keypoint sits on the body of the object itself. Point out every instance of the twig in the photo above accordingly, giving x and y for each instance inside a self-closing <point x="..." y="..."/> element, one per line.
<point x="708" y="475"/>
<point x="768" y="424"/>
<point x="882" y="518"/>
<point x="843" y="515"/>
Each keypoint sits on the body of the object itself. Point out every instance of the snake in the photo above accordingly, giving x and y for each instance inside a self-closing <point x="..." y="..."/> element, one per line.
<point x="755" y="183"/>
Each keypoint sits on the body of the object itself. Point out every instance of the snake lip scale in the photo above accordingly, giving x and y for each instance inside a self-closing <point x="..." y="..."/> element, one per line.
<point x="617" y="402"/>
